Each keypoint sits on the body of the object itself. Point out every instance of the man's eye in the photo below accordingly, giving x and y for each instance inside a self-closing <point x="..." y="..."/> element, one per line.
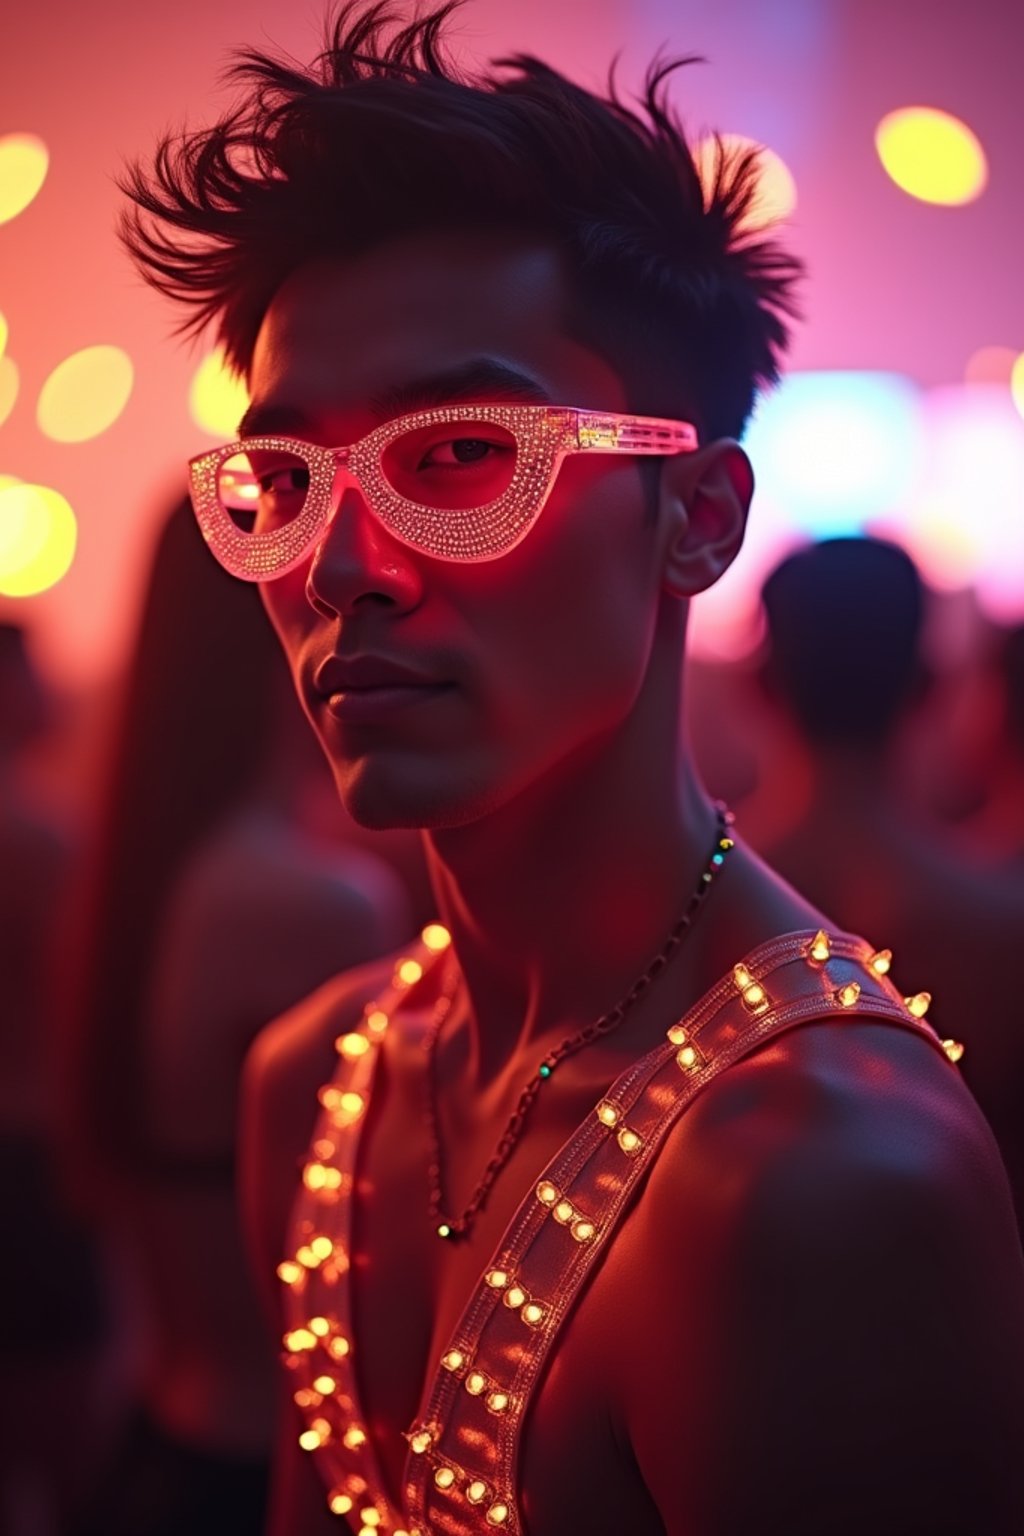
<point x="290" y="478"/>
<point x="459" y="450"/>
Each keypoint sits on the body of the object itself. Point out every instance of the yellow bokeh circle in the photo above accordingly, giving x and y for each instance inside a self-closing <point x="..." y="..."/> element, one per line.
<point x="85" y="394"/>
<point x="38" y="534"/>
<point x="932" y="155"/>
<point x="217" y="397"/>
<point x="9" y="382"/>
<point x="4" y="333"/>
<point x="776" y="195"/>
<point x="24" y="161"/>
<point x="1017" y="383"/>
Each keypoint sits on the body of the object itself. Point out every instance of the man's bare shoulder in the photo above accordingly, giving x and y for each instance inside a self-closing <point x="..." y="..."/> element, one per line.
<point x="834" y="1216"/>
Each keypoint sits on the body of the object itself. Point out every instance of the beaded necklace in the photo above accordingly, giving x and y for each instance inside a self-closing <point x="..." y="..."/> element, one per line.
<point x="452" y="1227"/>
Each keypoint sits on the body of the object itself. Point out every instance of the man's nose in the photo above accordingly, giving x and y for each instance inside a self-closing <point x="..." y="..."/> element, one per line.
<point x="357" y="560"/>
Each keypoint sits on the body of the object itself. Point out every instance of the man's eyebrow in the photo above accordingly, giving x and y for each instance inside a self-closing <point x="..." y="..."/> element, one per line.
<point x="482" y="379"/>
<point x="274" y="421"/>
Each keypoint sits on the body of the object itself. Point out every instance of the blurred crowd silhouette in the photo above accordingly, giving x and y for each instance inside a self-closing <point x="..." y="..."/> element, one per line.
<point x="175" y="870"/>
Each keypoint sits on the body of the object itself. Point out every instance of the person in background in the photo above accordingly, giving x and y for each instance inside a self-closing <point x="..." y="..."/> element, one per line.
<point x="206" y="910"/>
<point x="844" y="664"/>
<point x="51" y="1308"/>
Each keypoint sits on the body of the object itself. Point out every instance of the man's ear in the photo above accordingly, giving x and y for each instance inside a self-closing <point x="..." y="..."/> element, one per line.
<point x="705" y="497"/>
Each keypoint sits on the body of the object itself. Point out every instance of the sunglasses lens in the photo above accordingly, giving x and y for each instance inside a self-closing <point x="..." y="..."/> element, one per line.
<point x="262" y="490"/>
<point x="451" y="465"/>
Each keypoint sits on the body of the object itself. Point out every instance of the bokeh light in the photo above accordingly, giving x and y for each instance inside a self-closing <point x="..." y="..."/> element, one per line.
<point x="931" y="155"/>
<point x="990" y="365"/>
<point x="217" y="398"/>
<point x="967" y="520"/>
<point x="9" y="382"/>
<point x="38" y="534"/>
<point x="776" y="186"/>
<point x="1017" y="383"/>
<point x="85" y="394"/>
<point x="836" y="450"/>
<point x="24" y="160"/>
<point x="4" y="333"/>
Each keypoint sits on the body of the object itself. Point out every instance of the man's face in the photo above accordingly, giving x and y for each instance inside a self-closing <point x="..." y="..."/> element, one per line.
<point x="533" y="660"/>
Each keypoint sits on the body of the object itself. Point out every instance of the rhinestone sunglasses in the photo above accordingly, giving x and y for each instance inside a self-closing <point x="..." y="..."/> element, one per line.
<point x="462" y="483"/>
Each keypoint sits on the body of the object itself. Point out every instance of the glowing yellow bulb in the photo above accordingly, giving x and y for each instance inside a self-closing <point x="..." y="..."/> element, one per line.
<point x="453" y="1360"/>
<point x="444" y="1477"/>
<point x="354" y="1437"/>
<point x="329" y="1097"/>
<point x="322" y="1247"/>
<point x="325" y="1385"/>
<point x="436" y="937"/>
<point x="319" y="1326"/>
<point x="918" y="1004"/>
<point x="352" y="1045"/>
<point x="340" y="1503"/>
<point x="24" y="161"/>
<point x="497" y="1402"/>
<point x="409" y="972"/>
<point x="307" y="1257"/>
<point x="953" y="1049"/>
<point x="564" y="1211"/>
<point x="514" y="1297"/>
<point x="931" y="155"/>
<point x="820" y="948"/>
<point x="677" y="1034"/>
<point x="497" y="1514"/>
<point x="629" y="1141"/>
<point x="547" y="1194"/>
<point x="532" y="1313"/>
<point x="217" y="397"/>
<point x="688" y="1059"/>
<point x="351" y="1104"/>
<point x="583" y="1231"/>
<point x="377" y="1021"/>
<point x="475" y="1383"/>
<point x="755" y="997"/>
<point x="607" y="1113"/>
<point x="497" y="1279"/>
<point x="477" y="1491"/>
<point x="848" y="995"/>
<point x="369" y="1516"/>
<point x="85" y="394"/>
<point x="421" y="1441"/>
<point x="880" y="962"/>
<point x="289" y="1272"/>
<point x="4" y="332"/>
<point x="310" y="1440"/>
<point x="299" y="1339"/>
<point x="339" y="1347"/>
<point x="741" y="976"/>
<point x="317" y="1177"/>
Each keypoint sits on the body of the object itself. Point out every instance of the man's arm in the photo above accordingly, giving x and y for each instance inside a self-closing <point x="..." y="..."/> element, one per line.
<point x="846" y="1356"/>
<point x="288" y="1062"/>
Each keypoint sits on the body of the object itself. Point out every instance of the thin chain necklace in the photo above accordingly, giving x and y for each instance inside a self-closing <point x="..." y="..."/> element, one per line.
<point x="454" y="1227"/>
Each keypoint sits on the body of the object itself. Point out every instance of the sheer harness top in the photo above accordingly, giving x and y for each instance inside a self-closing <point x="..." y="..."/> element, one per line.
<point x="462" y="1464"/>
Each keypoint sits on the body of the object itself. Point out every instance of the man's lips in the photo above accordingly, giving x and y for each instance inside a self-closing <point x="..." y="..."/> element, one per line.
<point x="364" y="687"/>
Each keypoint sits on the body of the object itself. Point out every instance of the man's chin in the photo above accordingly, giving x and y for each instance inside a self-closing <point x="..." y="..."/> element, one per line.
<point x="382" y="801"/>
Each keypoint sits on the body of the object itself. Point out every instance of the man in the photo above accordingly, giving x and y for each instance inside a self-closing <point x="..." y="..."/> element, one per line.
<point x="534" y="1304"/>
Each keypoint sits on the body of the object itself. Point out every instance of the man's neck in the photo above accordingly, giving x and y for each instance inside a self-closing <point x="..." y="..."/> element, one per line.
<point x="559" y="900"/>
